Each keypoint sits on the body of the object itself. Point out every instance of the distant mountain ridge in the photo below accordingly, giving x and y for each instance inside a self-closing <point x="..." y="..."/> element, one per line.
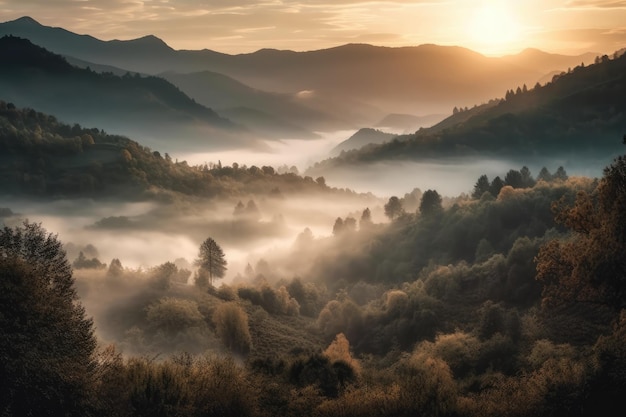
<point x="148" y="107"/>
<point x="412" y="80"/>
<point x="362" y="137"/>
<point x="227" y="96"/>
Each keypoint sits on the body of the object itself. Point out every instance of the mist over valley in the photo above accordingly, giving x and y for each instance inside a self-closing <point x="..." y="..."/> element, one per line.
<point x="355" y="230"/>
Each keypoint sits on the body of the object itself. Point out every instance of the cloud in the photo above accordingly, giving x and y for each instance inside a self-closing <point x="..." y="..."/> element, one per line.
<point x="588" y="4"/>
<point x="235" y="26"/>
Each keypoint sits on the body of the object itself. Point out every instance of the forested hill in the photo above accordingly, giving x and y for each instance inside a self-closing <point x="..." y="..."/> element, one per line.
<point x="34" y="77"/>
<point x="579" y="113"/>
<point x="42" y="157"/>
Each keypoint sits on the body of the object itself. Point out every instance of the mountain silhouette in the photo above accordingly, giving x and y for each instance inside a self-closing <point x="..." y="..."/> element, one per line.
<point x="412" y="80"/>
<point x="145" y="107"/>
<point x="362" y="137"/>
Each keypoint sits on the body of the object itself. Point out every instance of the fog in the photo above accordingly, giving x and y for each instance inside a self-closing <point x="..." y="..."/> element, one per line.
<point x="288" y="235"/>
<point x="384" y="179"/>
<point x="300" y="153"/>
<point x="144" y="235"/>
<point x="450" y="177"/>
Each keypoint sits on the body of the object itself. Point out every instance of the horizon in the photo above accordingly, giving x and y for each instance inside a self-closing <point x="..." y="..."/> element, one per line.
<point x="148" y="35"/>
<point x="491" y="28"/>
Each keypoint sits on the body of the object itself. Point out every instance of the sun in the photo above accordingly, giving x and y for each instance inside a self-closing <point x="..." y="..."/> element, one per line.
<point x="493" y="28"/>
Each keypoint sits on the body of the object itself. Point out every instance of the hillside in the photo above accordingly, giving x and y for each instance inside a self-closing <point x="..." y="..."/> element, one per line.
<point x="362" y="138"/>
<point x="579" y="115"/>
<point x="442" y="311"/>
<point x="43" y="157"/>
<point x="408" y="123"/>
<point x="145" y="107"/>
<point x="287" y="112"/>
<point x="420" y="79"/>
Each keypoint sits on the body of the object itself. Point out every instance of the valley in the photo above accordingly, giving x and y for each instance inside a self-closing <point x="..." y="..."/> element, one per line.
<point x="358" y="230"/>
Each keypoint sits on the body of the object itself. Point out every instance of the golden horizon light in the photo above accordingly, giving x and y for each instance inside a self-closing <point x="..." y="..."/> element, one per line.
<point x="490" y="27"/>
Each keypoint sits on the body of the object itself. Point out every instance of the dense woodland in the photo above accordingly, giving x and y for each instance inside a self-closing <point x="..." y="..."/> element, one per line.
<point x="507" y="300"/>
<point x="43" y="157"/>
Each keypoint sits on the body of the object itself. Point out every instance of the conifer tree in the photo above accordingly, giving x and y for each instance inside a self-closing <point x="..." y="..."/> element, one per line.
<point x="211" y="259"/>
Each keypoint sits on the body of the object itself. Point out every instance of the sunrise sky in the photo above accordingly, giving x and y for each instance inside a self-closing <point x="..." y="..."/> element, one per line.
<point x="234" y="26"/>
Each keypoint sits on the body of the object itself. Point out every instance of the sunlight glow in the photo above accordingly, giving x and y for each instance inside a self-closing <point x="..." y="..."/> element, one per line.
<point x="493" y="28"/>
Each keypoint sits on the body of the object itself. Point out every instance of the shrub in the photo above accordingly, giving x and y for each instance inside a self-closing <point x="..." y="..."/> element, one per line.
<point x="231" y="324"/>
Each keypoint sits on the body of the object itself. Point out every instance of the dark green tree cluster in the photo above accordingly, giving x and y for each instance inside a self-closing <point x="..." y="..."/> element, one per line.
<point x="515" y="179"/>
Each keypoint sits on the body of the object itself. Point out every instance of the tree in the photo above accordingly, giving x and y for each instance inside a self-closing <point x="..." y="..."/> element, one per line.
<point x="164" y="274"/>
<point x="83" y="263"/>
<point x="115" y="268"/>
<point x="211" y="260"/>
<point x="239" y="209"/>
<point x="305" y="239"/>
<point x="431" y="203"/>
<point x="338" y="227"/>
<point x="590" y="267"/>
<point x="514" y="179"/>
<point x="47" y="345"/>
<point x="560" y="174"/>
<point x="366" y="219"/>
<point x="231" y="325"/>
<point x="481" y="187"/>
<point x="544" y="175"/>
<point x="393" y="208"/>
<point x="527" y="179"/>
<point x="252" y="211"/>
<point x="349" y="224"/>
<point x="496" y="186"/>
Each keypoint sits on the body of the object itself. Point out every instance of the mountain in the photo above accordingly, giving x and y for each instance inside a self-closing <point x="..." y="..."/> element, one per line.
<point x="231" y="97"/>
<point x="147" y="107"/>
<point x="420" y="79"/>
<point x="408" y="123"/>
<point x="99" y="67"/>
<point x="87" y="47"/>
<point x="267" y="124"/>
<point x="544" y="62"/>
<point x="362" y="137"/>
<point x="579" y="115"/>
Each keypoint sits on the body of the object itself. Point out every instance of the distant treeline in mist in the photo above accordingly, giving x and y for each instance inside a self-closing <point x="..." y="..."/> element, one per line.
<point x="43" y="157"/>
<point x="506" y="302"/>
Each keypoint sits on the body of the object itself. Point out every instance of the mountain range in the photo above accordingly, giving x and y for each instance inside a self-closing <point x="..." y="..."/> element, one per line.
<point x="148" y="107"/>
<point x="367" y="80"/>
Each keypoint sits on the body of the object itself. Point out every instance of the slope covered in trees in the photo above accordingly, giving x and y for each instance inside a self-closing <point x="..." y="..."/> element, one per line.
<point x="41" y="156"/>
<point x="579" y="113"/>
<point x="422" y="327"/>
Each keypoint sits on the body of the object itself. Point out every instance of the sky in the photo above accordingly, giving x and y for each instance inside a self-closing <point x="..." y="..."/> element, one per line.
<point x="491" y="27"/>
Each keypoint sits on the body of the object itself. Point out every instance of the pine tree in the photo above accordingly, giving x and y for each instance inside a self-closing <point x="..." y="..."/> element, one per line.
<point x="481" y="187"/>
<point x="211" y="259"/>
